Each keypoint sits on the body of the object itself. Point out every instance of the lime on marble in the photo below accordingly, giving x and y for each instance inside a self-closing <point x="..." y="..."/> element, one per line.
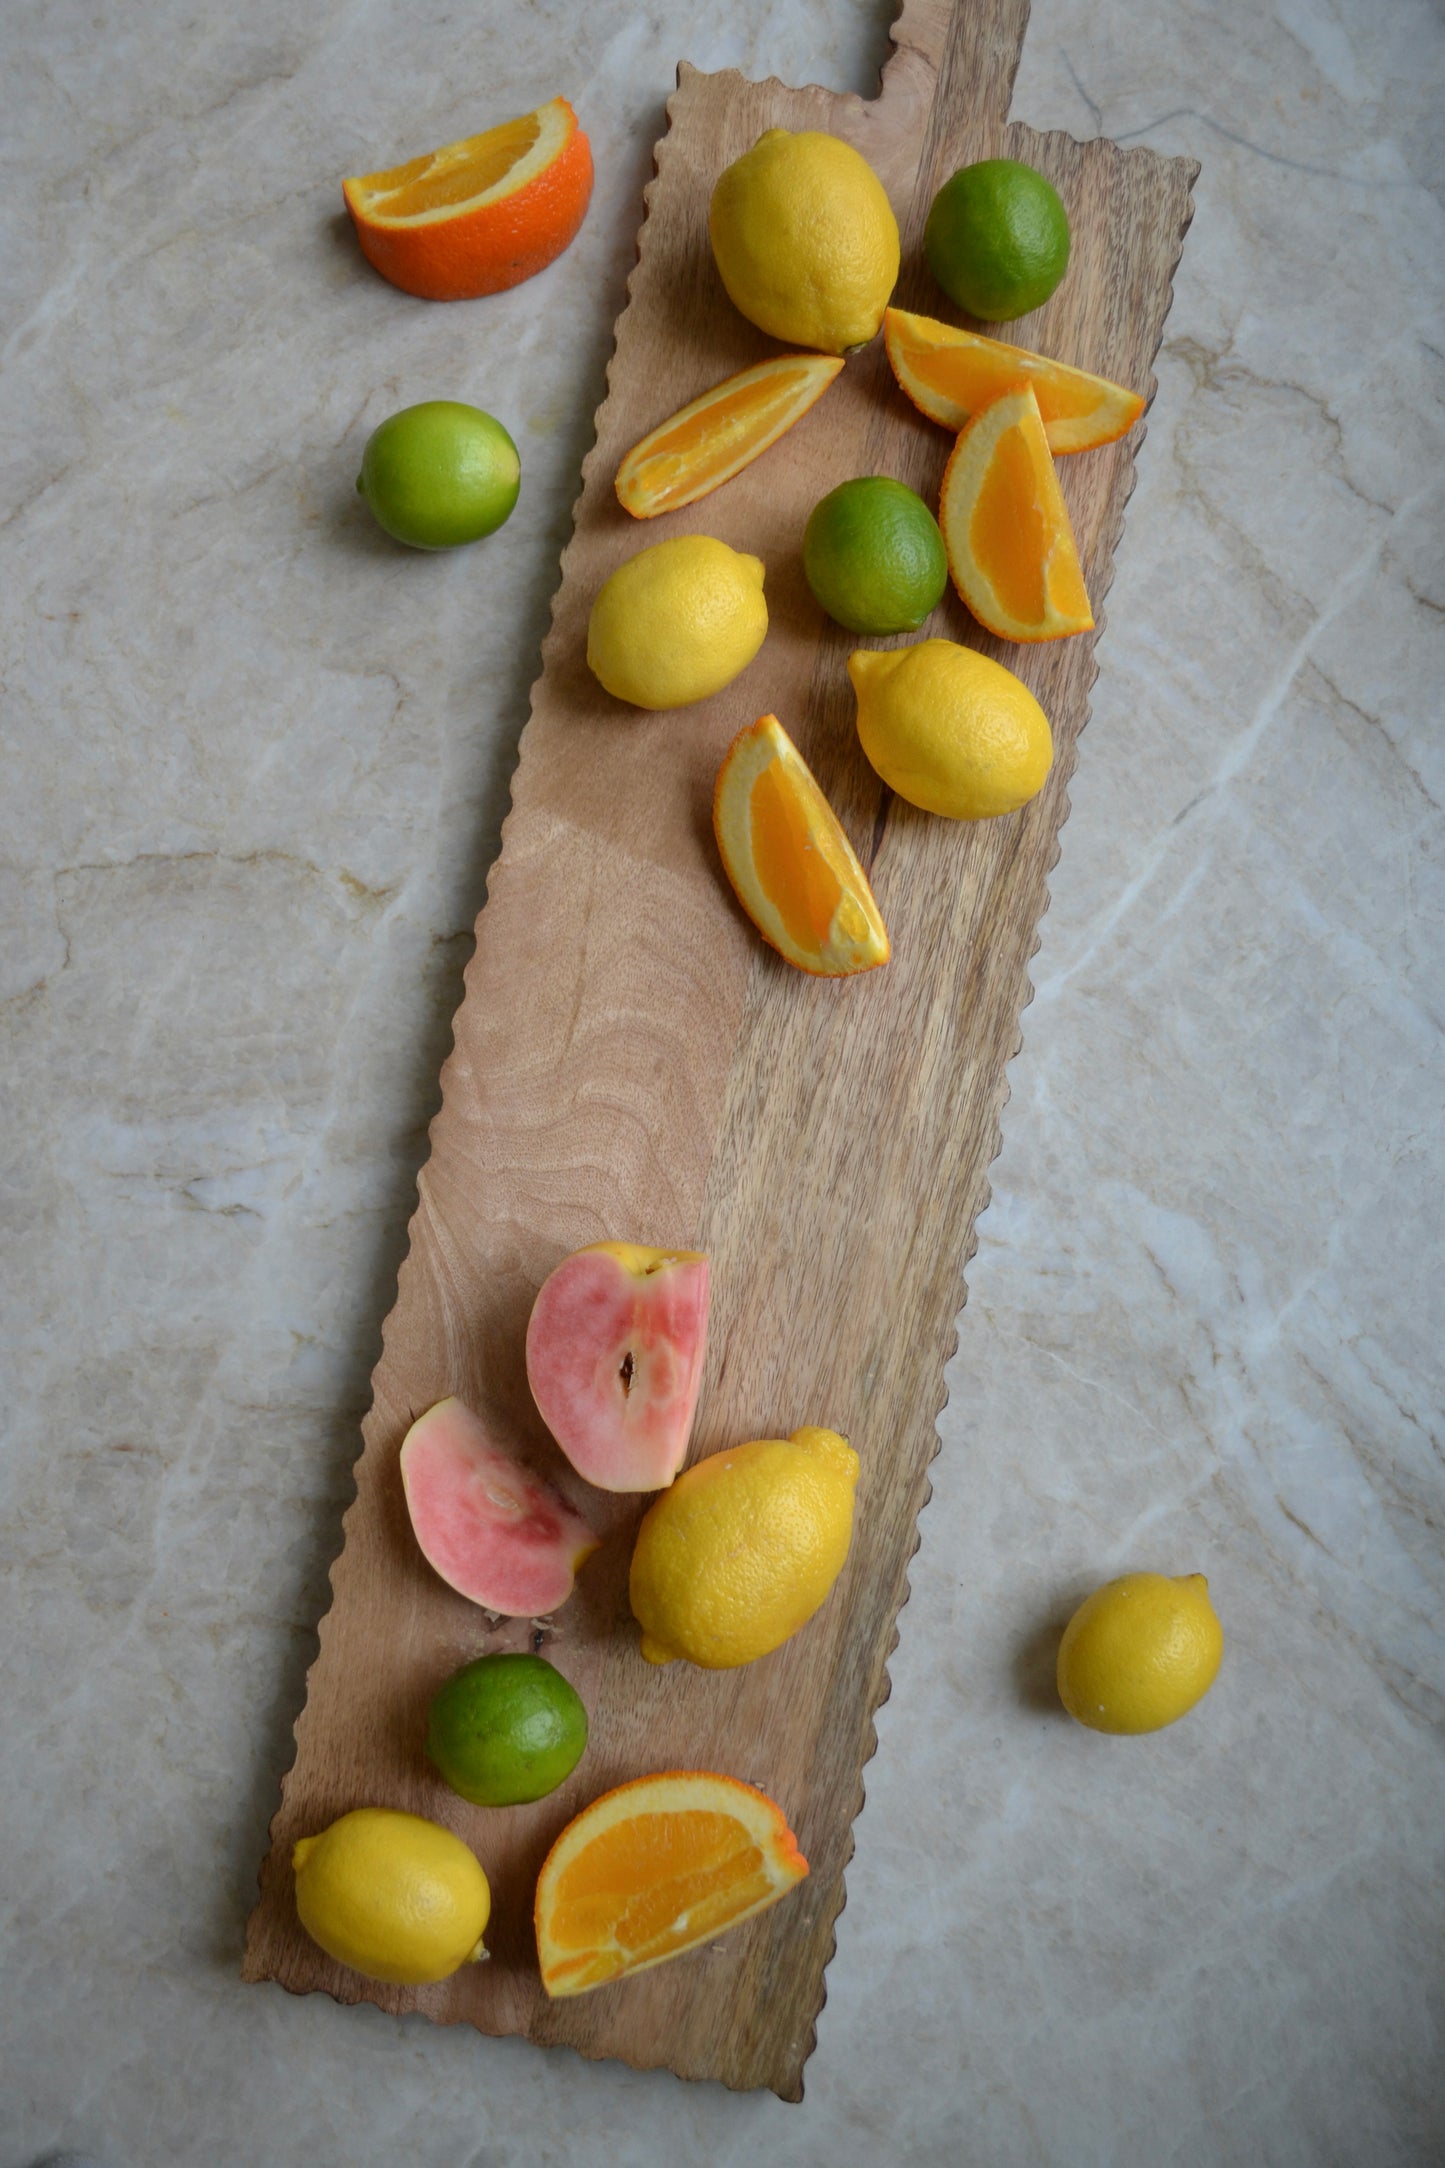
<point x="440" y="474"/>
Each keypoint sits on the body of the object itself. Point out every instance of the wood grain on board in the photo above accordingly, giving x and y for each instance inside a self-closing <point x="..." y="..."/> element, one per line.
<point x="631" y="1061"/>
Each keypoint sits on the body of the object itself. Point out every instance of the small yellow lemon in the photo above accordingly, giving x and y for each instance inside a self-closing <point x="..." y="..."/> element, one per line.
<point x="805" y="239"/>
<point x="950" y="730"/>
<point x="677" y="622"/>
<point x="1140" y="1652"/>
<point x="743" y="1549"/>
<point x="392" y="1895"/>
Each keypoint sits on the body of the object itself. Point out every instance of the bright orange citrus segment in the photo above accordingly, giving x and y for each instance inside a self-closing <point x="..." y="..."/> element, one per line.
<point x="1006" y="527"/>
<point x="951" y="375"/>
<point x="654" y="1868"/>
<point x="480" y="215"/>
<point x="795" y="876"/>
<point x="715" y="436"/>
<point x="1006" y="531"/>
<point x="785" y="852"/>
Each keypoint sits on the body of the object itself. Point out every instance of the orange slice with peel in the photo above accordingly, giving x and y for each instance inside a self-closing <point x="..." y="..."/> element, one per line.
<point x="785" y="852"/>
<point x="654" y="1868"/>
<point x="1006" y="527"/>
<point x="715" y="436"/>
<point x="951" y="375"/>
<point x="480" y="215"/>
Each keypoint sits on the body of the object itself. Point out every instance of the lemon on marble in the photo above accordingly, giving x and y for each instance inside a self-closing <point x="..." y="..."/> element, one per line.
<point x="394" y="1896"/>
<point x="677" y="622"/>
<point x="743" y="1548"/>
<point x="1140" y="1652"/>
<point x="805" y="239"/>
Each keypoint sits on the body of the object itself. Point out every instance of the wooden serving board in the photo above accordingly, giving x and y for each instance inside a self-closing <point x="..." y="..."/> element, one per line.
<point x="631" y="1061"/>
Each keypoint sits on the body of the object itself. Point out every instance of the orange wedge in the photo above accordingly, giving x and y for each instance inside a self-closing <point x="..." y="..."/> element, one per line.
<point x="655" y="1868"/>
<point x="480" y="215"/>
<point x="950" y="375"/>
<point x="1006" y="527"/>
<point x="786" y="855"/>
<point x="713" y="438"/>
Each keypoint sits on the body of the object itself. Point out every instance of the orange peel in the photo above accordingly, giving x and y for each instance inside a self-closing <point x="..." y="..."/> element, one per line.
<point x="1006" y="528"/>
<point x="719" y="433"/>
<point x="477" y="216"/>
<point x="951" y="375"/>
<point x="655" y="1868"/>
<point x="785" y="852"/>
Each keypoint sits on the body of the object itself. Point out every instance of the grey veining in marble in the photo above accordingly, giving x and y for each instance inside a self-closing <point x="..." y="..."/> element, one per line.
<point x="254" y="763"/>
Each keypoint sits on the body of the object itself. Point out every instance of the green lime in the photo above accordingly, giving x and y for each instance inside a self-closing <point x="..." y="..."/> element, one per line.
<point x="874" y="557"/>
<point x="505" y="1729"/>
<point x="440" y="474"/>
<point x="997" y="239"/>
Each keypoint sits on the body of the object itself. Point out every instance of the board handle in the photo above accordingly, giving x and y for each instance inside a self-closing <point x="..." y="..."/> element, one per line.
<point x="962" y="54"/>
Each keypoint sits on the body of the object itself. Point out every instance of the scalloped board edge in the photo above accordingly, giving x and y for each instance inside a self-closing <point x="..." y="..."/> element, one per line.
<point x="629" y="1060"/>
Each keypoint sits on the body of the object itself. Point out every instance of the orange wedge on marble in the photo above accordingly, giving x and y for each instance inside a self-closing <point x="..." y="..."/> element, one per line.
<point x="714" y="437"/>
<point x="951" y="375"/>
<point x="1006" y="527"/>
<point x="479" y="215"/>
<point x="785" y="852"/>
<point x="655" y="1868"/>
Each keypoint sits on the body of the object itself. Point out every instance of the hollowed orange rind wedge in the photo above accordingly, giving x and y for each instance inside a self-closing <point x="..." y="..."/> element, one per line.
<point x="715" y="436"/>
<point x="480" y="215"/>
<point x="655" y="1868"/>
<point x="786" y="855"/>
<point x="951" y="375"/>
<point x="1006" y="527"/>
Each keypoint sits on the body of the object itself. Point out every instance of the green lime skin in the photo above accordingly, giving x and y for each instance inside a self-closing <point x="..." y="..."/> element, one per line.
<point x="506" y="1729"/>
<point x="874" y="557"/>
<point x="997" y="239"/>
<point x="440" y="474"/>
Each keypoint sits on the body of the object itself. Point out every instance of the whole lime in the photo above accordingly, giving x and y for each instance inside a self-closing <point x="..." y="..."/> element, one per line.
<point x="505" y="1729"/>
<point x="874" y="557"/>
<point x="440" y="474"/>
<point x="997" y="239"/>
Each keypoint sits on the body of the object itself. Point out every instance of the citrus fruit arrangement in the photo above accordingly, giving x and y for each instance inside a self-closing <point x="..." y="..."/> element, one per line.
<point x="738" y="1552"/>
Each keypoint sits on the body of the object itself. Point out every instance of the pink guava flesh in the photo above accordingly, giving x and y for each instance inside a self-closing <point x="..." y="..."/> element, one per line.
<point x="614" y="1360"/>
<point x="494" y="1531"/>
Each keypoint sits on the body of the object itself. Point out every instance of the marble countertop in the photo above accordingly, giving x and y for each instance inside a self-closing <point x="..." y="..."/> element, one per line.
<point x="255" y="764"/>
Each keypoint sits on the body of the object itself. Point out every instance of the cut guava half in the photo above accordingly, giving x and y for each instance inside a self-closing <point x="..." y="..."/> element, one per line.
<point x="495" y="1532"/>
<point x="615" y="1349"/>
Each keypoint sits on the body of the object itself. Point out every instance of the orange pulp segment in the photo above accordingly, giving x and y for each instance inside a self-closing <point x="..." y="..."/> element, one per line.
<point x="1006" y="527"/>
<point x="715" y="436"/>
<point x="951" y="375"/>
<point x="479" y="215"/>
<point x="784" y="850"/>
<point x="654" y="1868"/>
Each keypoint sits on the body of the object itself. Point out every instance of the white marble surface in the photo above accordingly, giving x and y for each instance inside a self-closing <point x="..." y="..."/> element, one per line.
<point x="255" y="760"/>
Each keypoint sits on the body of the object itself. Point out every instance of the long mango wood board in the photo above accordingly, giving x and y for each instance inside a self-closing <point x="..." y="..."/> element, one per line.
<point x="631" y="1061"/>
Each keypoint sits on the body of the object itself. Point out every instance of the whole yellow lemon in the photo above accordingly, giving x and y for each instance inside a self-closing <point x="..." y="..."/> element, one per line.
<point x="805" y="239"/>
<point x="950" y="730"/>
<point x="1140" y="1652"/>
<point x="392" y="1895"/>
<point x="743" y="1549"/>
<point x="677" y="622"/>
